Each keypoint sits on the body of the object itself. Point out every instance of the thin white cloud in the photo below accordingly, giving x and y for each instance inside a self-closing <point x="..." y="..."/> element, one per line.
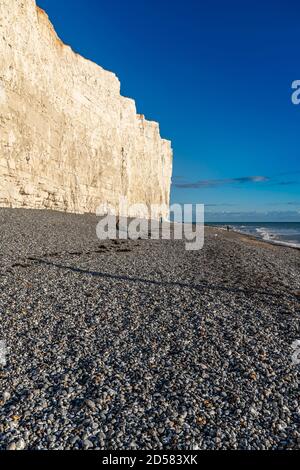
<point x="221" y="182"/>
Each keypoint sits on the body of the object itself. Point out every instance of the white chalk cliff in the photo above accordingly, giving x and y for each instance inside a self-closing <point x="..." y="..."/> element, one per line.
<point x="68" y="140"/>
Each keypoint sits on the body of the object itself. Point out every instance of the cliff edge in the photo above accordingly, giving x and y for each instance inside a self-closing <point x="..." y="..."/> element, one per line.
<point x="68" y="140"/>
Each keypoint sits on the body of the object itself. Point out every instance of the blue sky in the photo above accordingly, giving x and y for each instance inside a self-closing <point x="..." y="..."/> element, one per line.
<point x="217" y="75"/>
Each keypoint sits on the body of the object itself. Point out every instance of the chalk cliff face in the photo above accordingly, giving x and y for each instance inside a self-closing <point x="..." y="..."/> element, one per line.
<point x="68" y="140"/>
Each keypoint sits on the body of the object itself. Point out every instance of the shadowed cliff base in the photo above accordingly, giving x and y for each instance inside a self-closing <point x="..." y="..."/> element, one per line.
<point x="141" y="344"/>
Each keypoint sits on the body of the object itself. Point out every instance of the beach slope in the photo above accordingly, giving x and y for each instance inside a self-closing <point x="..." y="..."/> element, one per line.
<point x="143" y="345"/>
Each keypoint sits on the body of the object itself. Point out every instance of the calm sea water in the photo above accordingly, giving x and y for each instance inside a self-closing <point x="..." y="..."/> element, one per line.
<point x="282" y="233"/>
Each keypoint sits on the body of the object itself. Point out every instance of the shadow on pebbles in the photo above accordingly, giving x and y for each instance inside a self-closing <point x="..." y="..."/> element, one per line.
<point x="141" y="344"/>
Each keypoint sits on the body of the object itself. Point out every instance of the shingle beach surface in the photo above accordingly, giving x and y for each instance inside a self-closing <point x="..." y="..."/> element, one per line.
<point x="142" y="344"/>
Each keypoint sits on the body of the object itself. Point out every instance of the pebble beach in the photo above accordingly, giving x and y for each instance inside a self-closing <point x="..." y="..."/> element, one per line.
<point x="143" y="345"/>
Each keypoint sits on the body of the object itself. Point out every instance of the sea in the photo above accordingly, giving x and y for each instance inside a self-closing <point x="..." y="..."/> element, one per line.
<point x="280" y="233"/>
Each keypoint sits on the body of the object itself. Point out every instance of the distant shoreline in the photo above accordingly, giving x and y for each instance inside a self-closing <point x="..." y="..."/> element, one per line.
<point x="252" y="237"/>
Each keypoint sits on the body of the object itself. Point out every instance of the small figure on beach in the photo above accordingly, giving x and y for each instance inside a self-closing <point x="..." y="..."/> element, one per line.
<point x="228" y="228"/>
